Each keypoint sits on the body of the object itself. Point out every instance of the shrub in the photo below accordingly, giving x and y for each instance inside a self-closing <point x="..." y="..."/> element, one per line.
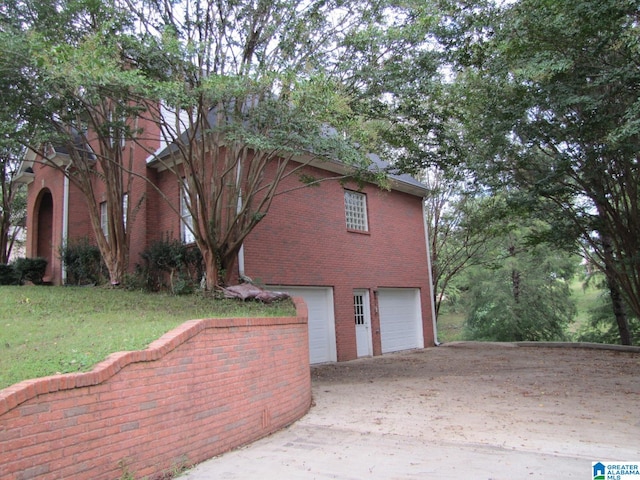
<point x="170" y="264"/>
<point x="8" y="275"/>
<point x="602" y="327"/>
<point x="138" y="280"/>
<point x="183" y="286"/>
<point x="82" y="262"/>
<point x="30" y="269"/>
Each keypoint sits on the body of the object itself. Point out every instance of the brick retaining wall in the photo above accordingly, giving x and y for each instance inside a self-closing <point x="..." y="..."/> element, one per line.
<point x="204" y="388"/>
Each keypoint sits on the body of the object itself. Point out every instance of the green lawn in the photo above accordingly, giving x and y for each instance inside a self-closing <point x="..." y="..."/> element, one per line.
<point x="48" y="330"/>
<point x="586" y="299"/>
<point x="451" y="325"/>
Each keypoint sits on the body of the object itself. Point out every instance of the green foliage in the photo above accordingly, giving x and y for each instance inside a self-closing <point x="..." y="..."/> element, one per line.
<point x="592" y="322"/>
<point x="8" y="275"/>
<point x="30" y="269"/>
<point x="174" y="262"/>
<point x="12" y="194"/>
<point x="599" y="326"/>
<point x="252" y="82"/>
<point x="541" y="104"/>
<point x="82" y="262"/>
<point x="587" y="297"/>
<point x="525" y="296"/>
<point x="183" y="286"/>
<point x="464" y="228"/>
<point x="265" y="89"/>
<point x="601" y="329"/>
<point x="69" y="81"/>
<point x="451" y="325"/>
<point x="123" y="465"/>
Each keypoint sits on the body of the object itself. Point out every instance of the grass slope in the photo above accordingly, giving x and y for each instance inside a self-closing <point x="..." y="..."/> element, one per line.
<point x="587" y="299"/>
<point x="49" y="330"/>
<point x="451" y="325"/>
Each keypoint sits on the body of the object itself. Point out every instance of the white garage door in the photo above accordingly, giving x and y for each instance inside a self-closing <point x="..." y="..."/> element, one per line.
<point x="322" y="331"/>
<point x="400" y="319"/>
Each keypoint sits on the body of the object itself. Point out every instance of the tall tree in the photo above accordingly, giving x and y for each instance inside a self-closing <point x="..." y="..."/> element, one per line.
<point x="236" y="89"/>
<point x="525" y="295"/>
<point x="464" y="226"/>
<point x="12" y="197"/>
<point x="552" y="102"/>
<point x="12" y="125"/>
<point x="80" y="96"/>
<point x="244" y="99"/>
<point x="405" y="83"/>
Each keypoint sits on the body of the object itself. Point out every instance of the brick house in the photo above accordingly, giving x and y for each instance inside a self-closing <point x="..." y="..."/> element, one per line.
<point x="358" y="256"/>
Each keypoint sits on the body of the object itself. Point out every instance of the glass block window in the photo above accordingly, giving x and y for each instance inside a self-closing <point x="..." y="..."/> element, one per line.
<point x="355" y="206"/>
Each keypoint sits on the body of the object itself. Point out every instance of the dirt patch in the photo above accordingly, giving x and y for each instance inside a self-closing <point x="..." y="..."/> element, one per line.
<point x="573" y="401"/>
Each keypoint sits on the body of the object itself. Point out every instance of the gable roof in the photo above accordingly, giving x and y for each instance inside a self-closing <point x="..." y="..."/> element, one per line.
<point x="411" y="185"/>
<point x="55" y="153"/>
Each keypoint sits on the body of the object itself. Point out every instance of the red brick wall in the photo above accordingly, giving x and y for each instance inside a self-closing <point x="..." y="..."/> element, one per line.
<point x="163" y="223"/>
<point x="47" y="180"/>
<point x="137" y="190"/>
<point x="303" y="241"/>
<point x="203" y="388"/>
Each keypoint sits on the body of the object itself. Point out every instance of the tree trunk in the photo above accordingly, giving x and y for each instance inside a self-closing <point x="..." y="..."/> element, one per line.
<point x="210" y="268"/>
<point x="615" y="293"/>
<point x="619" y="313"/>
<point x="228" y="266"/>
<point x="116" y="270"/>
<point x="515" y="277"/>
<point x="5" y="219"/>
<point x="113" y="250"/>
<point x="4" y="241"/>
<point x="515" y="282"/>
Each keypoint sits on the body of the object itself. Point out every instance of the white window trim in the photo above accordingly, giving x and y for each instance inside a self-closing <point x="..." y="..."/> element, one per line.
<point x="186" y="219"/>
<point x="116" y="135"/>
<point x="104" y="215"/>
<point x="125" y="207"/>
<point x="104" y="219"/>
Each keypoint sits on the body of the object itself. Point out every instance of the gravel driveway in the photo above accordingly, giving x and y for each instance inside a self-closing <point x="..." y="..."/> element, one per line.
<point x="460" y="411"/>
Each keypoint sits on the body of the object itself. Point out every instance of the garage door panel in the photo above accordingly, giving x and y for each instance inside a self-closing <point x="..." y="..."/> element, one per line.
<point x="400" y="319"/>
<point x="322" y="341"/>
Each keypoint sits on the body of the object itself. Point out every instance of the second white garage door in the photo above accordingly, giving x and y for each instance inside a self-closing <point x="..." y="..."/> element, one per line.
<point x="322" y="330"/>
<point x="400" y="319"/>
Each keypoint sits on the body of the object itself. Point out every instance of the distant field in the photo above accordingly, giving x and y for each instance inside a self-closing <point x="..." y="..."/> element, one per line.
<point x="48" y="330"/>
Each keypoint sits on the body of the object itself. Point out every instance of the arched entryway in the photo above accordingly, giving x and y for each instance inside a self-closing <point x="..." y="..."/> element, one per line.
<point x="44" y="230"/>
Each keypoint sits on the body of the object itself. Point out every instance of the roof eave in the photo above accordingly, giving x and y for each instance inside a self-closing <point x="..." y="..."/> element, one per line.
<point x="395" y="182"/>
<point x="333" y="166"/>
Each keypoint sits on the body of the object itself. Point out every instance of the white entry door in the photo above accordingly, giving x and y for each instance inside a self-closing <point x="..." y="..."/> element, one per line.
<point x="362" y="318"/>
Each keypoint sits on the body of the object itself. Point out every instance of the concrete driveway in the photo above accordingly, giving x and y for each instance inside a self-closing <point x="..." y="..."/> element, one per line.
<point x="459" y="411"/>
